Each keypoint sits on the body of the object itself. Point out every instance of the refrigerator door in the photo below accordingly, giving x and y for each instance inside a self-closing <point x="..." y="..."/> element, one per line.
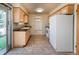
<point x="52" y="32"/>
<point x="64" y="33"/>
<point x="61" y="32"/>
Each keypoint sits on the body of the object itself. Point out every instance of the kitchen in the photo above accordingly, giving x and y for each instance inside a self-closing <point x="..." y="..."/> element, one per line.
<point x="21" y="32"/>
<point x="31" y="23"/>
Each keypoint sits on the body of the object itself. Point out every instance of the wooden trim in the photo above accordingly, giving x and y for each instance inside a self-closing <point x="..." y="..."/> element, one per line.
<point x="77" y="42"/>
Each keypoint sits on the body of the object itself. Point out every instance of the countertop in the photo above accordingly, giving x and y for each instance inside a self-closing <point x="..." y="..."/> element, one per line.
<point x="20" y="28"/>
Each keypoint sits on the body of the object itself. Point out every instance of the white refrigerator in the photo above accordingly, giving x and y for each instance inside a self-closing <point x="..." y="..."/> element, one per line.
<point x="61" y="32"/>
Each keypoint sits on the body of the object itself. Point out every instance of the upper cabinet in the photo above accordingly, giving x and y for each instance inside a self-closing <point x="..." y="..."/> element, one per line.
<point x="26" y="19"/>
<point x="19" y="15"/>
<point x="16" y="14"/>
<point x="68" y="9"/>
<point x="22" y="16"/>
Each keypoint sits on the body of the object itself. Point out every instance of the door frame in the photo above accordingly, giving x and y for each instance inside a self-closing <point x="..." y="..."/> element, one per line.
<point x="75" y="28"/>
<point x="6" y="9"/>
<point x="77" y="38"/>
<point x="10" y="25"/>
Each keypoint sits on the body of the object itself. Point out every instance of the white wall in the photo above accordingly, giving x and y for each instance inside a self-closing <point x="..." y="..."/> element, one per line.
<point x="44" y="19"/>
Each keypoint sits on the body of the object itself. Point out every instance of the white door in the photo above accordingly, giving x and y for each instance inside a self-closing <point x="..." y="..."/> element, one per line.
<point x="37" y="26"/>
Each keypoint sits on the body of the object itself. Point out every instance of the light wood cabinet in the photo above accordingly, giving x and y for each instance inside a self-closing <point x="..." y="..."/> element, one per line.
<point x="26" y="19"/>
<point x="22" y="16"/>
<point x="67" y="9"/>
<point x="20" y="38"/>
<point x="18" y="14"/>
<point x="77" y="42"/>
<point x="28" y="34"/>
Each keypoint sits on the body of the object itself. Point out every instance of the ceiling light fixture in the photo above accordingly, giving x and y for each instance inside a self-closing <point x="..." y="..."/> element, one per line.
<point x="39" y="10"/>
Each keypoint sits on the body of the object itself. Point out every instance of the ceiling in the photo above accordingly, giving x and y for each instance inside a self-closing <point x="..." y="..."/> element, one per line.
<point x="48" y="7"/>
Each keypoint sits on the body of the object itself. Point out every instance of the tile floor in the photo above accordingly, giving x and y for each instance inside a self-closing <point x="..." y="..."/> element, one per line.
<point x="37" y="45"/>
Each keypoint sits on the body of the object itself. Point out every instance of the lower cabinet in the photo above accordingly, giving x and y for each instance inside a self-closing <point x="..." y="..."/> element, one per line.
<point x="20" y="38"/>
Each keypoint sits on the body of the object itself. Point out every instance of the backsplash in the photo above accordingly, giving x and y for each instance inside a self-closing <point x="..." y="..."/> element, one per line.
<point x="18" y="25"/>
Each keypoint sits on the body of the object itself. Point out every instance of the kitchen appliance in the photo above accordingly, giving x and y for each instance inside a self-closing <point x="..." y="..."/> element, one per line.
<point x="61" y="32"/>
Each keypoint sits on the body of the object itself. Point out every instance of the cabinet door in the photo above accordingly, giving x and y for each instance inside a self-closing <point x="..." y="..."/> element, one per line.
<point x="67" y="10"/>
<point x="16" y="14"/>
<point x="27" y="36"/>
<point x="20" y="38"/>
<point x="26" y="19"/>
<point x="21" y="16"/>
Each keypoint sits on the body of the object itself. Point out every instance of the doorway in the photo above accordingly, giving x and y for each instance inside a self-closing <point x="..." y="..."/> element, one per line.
<point x="4" y="29"/>
<point x="37" y="25"/>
